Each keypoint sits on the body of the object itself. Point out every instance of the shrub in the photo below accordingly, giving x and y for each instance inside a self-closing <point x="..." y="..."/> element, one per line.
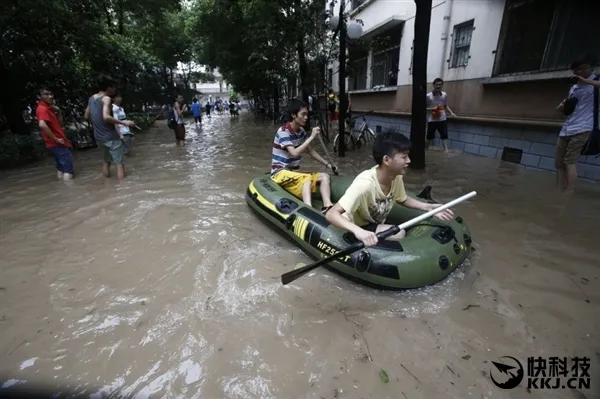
<point x="143" y="120"/>
<point x="17" y="150"/>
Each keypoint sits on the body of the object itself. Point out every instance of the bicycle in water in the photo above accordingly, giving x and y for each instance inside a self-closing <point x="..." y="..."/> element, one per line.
<point x="356" y="138"/>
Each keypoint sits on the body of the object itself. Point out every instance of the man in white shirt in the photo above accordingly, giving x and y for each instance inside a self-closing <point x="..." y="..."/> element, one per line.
<point x="437" y="104"/>
<point x="579" y="108"/>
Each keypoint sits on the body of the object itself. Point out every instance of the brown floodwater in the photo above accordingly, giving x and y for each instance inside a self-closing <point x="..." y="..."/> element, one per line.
<point x="167" y="285"/>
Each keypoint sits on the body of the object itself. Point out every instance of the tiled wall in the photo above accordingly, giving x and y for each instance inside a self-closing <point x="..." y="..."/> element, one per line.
<point x="489" y="141"/>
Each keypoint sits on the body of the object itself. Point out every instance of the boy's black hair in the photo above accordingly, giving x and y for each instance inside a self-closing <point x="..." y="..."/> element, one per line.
<point x="194" y="100"/>
<point x="294" y="106"/>
<point x="438" y="80"/>
<point x="588" y="59"/>
<point x="44" y="88"/>
<point x="389" y="144"/>
<point x="105" y="81"/>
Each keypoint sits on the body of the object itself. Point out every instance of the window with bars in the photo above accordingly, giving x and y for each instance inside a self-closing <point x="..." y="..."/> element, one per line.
<point x="384" y="67"/>
<point x="461" y="44"/>
<point x="545" y="35"/>
<point x="357" y="74"/>
<point x="386" y="57"/>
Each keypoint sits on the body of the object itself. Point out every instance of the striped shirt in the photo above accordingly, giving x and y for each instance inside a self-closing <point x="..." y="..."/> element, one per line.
<point x="280" y="157"/>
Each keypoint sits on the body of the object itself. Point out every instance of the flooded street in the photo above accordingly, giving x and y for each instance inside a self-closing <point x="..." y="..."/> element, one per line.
<point x="167" y="286"/>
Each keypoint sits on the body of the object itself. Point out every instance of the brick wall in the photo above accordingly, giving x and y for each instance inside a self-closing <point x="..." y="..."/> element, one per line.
<point x="489" y="141"/>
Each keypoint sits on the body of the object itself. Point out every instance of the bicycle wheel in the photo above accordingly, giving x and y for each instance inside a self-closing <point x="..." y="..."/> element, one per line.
<point x="367" y="137"/>
<point x="349" y="141"/>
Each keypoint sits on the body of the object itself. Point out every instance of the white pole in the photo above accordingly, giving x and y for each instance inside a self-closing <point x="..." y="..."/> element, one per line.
<point x="437" y="210"/>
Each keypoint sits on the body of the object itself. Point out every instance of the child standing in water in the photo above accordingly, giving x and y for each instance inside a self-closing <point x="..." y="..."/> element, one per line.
<point x="123" y="130"/>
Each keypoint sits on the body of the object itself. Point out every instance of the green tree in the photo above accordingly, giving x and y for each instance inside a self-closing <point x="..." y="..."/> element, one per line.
<point x="65" y="44"/>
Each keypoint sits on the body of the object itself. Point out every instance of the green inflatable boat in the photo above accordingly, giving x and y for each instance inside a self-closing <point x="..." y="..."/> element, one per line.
<point x="431" y="250"/>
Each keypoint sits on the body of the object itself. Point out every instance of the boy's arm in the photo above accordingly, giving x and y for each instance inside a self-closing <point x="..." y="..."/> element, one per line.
<point x="561" y="106"/>
<point x="42" y="116"/>
<point x="415" y="204"/>
<point x="86" y="115"/>
<point x="595" y="83"/>
<point x="448" y="107"/>
<point x="403" y="199"/>
<point x="44" y="127"/>
<point x="423" y="206"/>
<point x="349" y="203"/>
<point x="334" y="216"/>
<point x="301" y="149"/>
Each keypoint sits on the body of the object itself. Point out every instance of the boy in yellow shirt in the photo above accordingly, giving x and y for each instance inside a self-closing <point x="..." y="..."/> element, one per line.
<point x="364" y="207"/>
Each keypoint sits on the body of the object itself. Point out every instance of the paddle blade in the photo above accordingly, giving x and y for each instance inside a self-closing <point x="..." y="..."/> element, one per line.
<point x="290" y="276"/>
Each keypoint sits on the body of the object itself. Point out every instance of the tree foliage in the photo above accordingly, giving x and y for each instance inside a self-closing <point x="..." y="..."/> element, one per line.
<point x="66" y="44"/>
<point x="259" y="44"/>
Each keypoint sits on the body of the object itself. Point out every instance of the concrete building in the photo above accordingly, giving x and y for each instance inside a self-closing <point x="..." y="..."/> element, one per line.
<point x="213" y="90"/>
<point x="219" y="89"/>
<point x="504" y="63"/>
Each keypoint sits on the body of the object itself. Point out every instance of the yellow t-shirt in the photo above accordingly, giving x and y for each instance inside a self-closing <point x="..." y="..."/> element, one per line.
<point x="364" y="202"/>
<point x="337" y="101"/>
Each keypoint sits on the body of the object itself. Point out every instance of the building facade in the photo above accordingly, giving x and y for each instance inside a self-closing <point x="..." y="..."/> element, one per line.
<point x="504" y="64"/>
<point x="212" y="91"/>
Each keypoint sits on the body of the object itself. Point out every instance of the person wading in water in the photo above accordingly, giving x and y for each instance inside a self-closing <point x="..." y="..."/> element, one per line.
<point x="99" y="113"/>
<point x="179" y="108"/>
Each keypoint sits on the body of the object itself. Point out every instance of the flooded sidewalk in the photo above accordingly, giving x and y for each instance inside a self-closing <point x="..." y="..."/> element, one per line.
<point x="166" y="285"/>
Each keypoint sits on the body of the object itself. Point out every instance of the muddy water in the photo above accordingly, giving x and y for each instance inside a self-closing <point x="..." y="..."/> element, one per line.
<point x="166" y="285"/>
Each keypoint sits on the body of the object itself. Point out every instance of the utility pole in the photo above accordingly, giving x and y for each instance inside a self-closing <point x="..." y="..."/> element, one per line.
<point x="419" y="104"/>
<point x="342" y="82"/>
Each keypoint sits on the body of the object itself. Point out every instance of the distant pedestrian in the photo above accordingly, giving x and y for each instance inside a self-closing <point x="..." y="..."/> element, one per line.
<point x="179" y="107"/>
<point x="51" y="128"/>
<point x="196" y="111"/>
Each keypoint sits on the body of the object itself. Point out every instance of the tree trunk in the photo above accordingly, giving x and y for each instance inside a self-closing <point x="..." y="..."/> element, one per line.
<point x="121" y="17"/>
<point x="303" y="67"/>
<point x="419" y="105"/>
<point x="275" y="102"/>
